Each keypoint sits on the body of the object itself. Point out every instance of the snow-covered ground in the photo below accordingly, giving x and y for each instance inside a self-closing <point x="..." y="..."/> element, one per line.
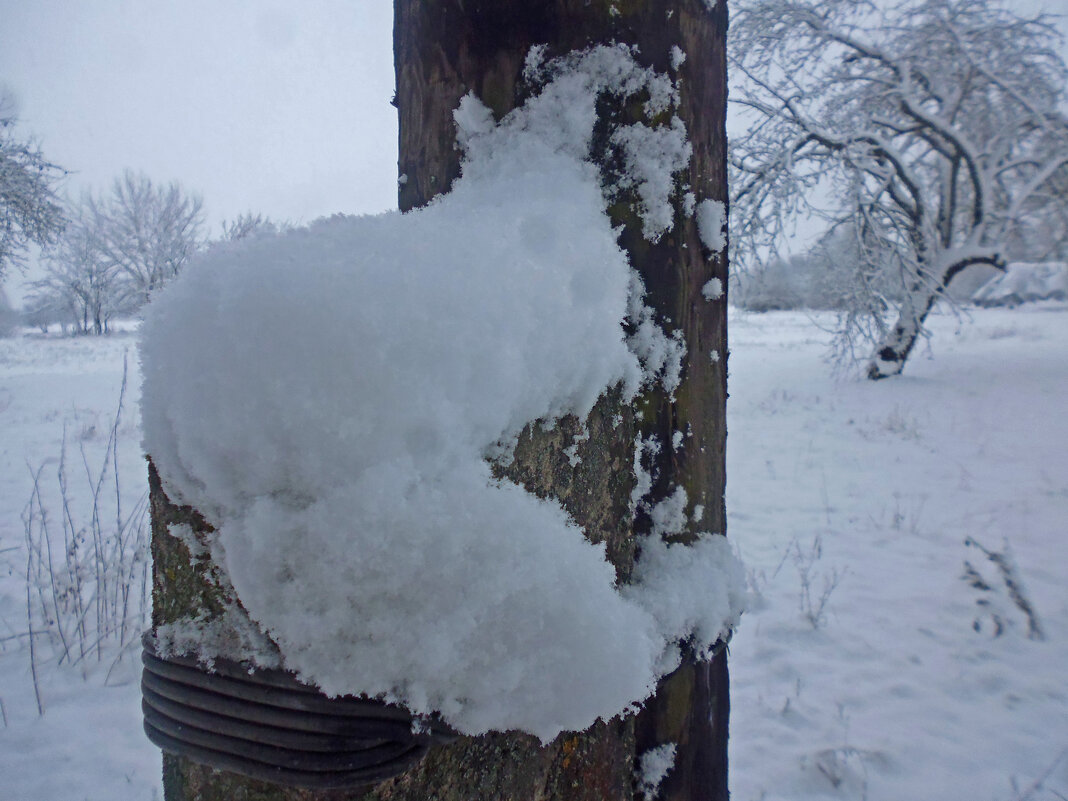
<point x="894" y="694"/>
<point x="885" y="691"/>
<point x="89" y="743"/>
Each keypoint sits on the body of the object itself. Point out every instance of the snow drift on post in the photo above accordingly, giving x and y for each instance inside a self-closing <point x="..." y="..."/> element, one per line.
<point x="327" y="398"/>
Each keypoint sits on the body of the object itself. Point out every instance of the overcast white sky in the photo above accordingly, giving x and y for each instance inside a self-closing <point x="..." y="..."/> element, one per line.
<point x="268" y="106"/>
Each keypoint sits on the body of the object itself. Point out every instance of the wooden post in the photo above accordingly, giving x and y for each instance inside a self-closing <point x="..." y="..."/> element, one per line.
<point x="444" y="49"/>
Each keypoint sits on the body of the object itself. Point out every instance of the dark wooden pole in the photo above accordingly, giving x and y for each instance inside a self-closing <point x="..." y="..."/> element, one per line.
<point x="444" y="49"/>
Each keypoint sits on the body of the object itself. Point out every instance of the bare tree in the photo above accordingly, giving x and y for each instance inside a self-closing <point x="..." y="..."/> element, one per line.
<point x="81" y="285"/>
<point x="9" y="318"/>
<point x="116" y="250"/>
<point x="144" y="231"/>
<point x="934" y="125"/>
<point x="30" y="212"/>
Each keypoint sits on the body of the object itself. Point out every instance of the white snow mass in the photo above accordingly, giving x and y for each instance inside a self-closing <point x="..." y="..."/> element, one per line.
<point x="653" y="767"/>
<point x="712" y="290"/>
<point x="669" y="515"/>
<point x="327" y="396"/>
<point x="678" y="57"/>
<point x="695" y="592"/>
<point x="653" y="155"/>
<point x="712" y="224"/>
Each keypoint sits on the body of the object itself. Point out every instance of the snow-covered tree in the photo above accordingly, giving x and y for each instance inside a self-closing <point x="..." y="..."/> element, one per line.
<point x="30" y="211"/>
<point x="143" y="231"/>
<point x="249" y="224"/>
<point x="935" y="128"/>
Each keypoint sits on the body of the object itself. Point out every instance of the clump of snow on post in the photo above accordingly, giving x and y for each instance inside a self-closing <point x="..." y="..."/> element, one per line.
<point x="678" y="57"/>
<point x="660" y="354"/>
<point x="712" y="224"/>
<point x="472" y="119"/>
<point x="669" y="515"/>
<point x="652" y="154"/>
<point x="689" y="203"/>
<point x="571" y="451"/>
<point x="643" y="448"/>
<point x="228" y="634"/>
<point x="183" y="532"/>
<point x="653" y="767"/>
<point x="534" y="64"/>
<point x="696" y="592"/>
<point x="712" y="290"/>
<point x="652" y="157"/>
<point x="327" y="397"/>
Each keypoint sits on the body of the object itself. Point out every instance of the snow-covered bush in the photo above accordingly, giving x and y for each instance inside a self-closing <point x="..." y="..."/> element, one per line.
<point x="87" y="600"/>
<point x="356" y="514"/>
<point x="1025" y="282"/>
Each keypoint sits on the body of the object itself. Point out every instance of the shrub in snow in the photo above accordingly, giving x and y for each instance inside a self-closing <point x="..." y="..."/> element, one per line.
<point x="995" y="604"/>
<point x="327" y="396"/>
<point x="1025" y="282"/>
<point x="87" y="600"/>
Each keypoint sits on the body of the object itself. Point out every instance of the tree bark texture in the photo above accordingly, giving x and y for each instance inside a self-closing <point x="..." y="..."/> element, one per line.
<point x="443" y="50"/>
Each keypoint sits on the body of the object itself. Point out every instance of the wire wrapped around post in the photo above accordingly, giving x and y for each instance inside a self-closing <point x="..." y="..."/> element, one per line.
<point x="265" y="724"/>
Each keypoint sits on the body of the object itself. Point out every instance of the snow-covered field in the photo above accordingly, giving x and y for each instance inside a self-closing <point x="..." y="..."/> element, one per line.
<point x="894" y="694"/>
<point x="867" y="667"/>
<point x="89" y="743"/>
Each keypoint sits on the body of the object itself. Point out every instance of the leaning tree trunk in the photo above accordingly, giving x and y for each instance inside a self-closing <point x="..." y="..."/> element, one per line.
<point x="890" y="355"/>
<point x="443" y="50"/>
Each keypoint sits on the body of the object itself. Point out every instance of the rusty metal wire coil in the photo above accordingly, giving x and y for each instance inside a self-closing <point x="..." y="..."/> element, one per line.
<point x="267" y="725"/>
